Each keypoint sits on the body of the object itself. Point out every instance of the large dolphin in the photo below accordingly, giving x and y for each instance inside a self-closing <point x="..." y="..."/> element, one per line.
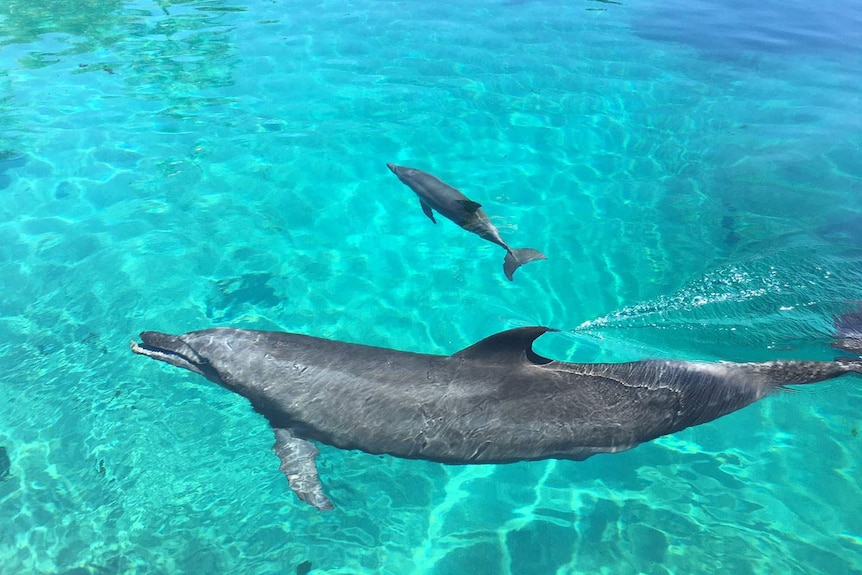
<point x="495" y="401"/>
<point x="435" y="195"/>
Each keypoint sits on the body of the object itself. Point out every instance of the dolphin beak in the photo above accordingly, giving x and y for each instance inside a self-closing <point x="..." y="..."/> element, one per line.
<point x="169" y="349"/>
<point x="392" y="168"/>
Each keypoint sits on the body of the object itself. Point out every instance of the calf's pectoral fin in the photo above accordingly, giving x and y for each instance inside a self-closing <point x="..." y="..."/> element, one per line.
<point x="427" y="209"/>
<point x="297" y="463"/>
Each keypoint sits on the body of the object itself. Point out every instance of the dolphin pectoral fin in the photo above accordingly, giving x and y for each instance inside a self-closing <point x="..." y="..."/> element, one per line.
<point x="518" y="257"/>
<point x="427" y="209"/>
<point x="469" y="205"/>
<point x="297" y="463"/>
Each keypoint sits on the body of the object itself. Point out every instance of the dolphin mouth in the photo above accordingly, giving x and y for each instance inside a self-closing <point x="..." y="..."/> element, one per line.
<point x="392" y="168"/>
<point x="169" y="349"/>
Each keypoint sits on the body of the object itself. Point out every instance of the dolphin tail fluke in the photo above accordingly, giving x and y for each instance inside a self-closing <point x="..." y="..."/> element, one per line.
<point x="848" y="332"/>
<point x="517" y="258"/>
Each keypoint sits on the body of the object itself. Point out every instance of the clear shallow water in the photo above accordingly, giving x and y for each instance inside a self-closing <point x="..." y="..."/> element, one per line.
<point x="691" y="170"/>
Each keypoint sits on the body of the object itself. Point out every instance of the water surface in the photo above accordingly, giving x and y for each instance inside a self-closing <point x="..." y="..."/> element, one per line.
<point x="691" y="169"/>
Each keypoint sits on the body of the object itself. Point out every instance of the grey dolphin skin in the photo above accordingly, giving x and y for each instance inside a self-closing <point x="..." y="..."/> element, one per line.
<point x="435" y="195"/>
<point x="848" y="332"/>
<point x="496" y="401"/>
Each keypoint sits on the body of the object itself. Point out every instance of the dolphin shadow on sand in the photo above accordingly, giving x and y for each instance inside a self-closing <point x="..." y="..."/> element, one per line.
<point x="496" y="401"/>
<point x="437" y="196"/>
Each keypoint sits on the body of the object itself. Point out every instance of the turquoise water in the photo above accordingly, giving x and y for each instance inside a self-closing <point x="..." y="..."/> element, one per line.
<point x="691" y="169"/>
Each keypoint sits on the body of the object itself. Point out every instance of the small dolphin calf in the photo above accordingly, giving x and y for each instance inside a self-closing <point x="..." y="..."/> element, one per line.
<point x="496" y="401"/>
<point x="435" y="195"/>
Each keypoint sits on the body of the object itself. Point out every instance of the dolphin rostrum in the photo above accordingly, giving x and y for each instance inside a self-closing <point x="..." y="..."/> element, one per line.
<point x="496" y="401"/>
<point x="435" y="195"/>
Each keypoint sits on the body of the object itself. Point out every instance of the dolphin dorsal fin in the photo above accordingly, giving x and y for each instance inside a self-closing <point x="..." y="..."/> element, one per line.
<point x="469" y="205"/>
<point x="510" y="346"/>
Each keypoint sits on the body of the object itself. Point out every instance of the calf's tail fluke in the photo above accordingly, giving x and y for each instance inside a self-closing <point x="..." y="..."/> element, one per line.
<point x="518" y="257"/>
